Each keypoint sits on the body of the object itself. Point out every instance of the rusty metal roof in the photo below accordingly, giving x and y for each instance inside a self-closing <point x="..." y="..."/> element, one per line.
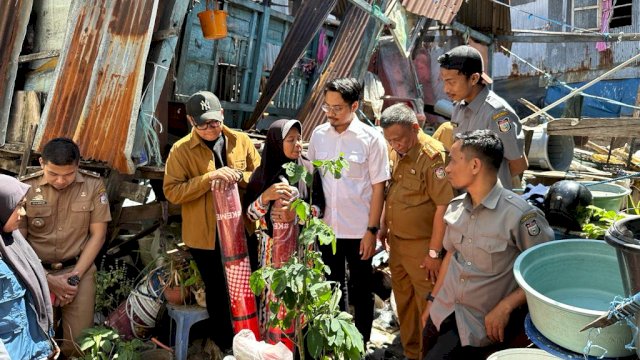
<point x="442" y="10"/>
<point x="96" y="94"/>
<point x="14" y="17"/>
<point x="339" y="64"/>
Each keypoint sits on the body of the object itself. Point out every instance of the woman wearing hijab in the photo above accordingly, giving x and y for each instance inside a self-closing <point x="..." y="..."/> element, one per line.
<point x="26" y="318"/>
<point x="268" y="182"/>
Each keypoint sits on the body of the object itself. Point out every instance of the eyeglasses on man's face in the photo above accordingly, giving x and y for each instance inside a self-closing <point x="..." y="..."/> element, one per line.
<point x="333" y="109"/>
<point x="209" y="124"/>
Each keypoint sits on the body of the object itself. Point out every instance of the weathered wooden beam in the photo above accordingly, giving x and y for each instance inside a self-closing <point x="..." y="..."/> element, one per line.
<point x="165" y="34"/>
<point x="373" y="12"/>
<point x="152" y="211"/>
<point x="134" y="192"/>
<point x="561" y="36"/>
<point x="610" y="127"/>
<point x="39" y="56"/>
<point x="477" y="35"/>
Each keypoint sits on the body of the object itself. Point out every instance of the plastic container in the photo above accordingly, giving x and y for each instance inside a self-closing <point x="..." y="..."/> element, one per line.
<point x="553" y="152"/>
<point x="521" y="354"/>
<point x="624" y="236"/>
<point x="607" y="196"/>
<point x="213" y="23"/>
<point x="568" y="284"/>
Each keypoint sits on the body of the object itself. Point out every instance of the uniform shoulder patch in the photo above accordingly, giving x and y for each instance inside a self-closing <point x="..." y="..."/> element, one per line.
<point x="527" y="217"/>
<point x="31" y="176"/>
<point x="500" y="114"/>
<point x="440" y="173"/>
<point x="90" y="173"/>
<point x="430" y="151"/>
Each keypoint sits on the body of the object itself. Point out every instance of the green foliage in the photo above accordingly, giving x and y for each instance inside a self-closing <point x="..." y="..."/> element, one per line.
<point x="332" y="166"/>
<point x="112" y="286"/>
<point x="633" y="208"/>
<point x="301" y="287"/>
<point x="102" y="343"/>
<point x="600" y="221"/>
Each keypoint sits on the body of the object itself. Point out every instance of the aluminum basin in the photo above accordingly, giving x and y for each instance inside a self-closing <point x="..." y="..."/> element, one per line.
<point x="568" y="284"/>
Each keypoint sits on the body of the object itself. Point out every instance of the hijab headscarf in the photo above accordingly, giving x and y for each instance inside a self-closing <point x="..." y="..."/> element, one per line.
<point x="20" y="256"/>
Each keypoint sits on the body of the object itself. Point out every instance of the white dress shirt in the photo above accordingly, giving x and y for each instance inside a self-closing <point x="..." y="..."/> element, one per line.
<point x="348" y="199"/>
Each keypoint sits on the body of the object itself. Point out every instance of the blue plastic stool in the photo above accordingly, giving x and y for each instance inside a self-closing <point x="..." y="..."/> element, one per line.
<point x="185" y="316"/>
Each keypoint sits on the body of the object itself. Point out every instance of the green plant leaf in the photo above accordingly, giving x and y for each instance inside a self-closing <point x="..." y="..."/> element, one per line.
<point x="256" y="282"/>
<point x="314" y="342"/>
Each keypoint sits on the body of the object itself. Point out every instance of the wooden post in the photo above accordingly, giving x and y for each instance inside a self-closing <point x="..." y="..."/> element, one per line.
<point x="26" y="154"/>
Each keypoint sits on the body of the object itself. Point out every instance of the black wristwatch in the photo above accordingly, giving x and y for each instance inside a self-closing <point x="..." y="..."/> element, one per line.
<point x="373" y="229"/>
<point x="430" y="297"/>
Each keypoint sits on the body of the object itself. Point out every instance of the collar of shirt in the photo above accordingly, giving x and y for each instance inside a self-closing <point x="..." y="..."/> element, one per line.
<point x="354" y="126"/>
<point x="412" y="154"/>
<point x="79" y="178"/>
<point x="490" y="201"/>
<point x="196" y="140"/>
<point x="475" y="104"/>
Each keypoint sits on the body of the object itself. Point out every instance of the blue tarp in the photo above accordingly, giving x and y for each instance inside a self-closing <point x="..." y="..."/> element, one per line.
<point x="624" y="91"/>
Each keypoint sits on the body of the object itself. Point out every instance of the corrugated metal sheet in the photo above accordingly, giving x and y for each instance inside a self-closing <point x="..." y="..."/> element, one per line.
<point x="96" y="95"/>
<point x="485" y="16"/>
<point x="443" y="11"/>
<point x="339" y="64"/>
<point x="575" y="61"/>
<point x="305" y="26"/>
<point x="14" y="17"/>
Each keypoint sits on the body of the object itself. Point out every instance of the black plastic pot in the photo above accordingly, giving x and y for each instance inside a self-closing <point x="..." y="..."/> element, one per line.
<point x="624" y="235"/>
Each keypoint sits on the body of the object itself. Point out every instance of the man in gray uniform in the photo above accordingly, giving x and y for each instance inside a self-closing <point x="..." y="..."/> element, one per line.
<point x="476" y="306"/>
<point x="477" y="107"/>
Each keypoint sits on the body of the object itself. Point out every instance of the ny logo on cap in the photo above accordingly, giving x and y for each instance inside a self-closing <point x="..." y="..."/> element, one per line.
<point x="204" y="104"/>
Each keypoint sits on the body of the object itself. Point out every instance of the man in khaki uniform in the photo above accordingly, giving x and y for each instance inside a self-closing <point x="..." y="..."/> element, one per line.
<point x="416" y="199"/>
<point x="211" y="155"/>
<point x="66" y="223"/>
<point x="476" y="307"/>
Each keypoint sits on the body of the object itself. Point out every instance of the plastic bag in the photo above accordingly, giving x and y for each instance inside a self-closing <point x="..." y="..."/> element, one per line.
<point x="246" y="347"/>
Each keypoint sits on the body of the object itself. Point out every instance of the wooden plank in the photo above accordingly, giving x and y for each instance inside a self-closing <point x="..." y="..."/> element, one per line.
<point x="566" y="37"/>
<point x="39" y="56"/>
<point x="376" y="14"/>
<point x="135" y="192"/>
<point x="620" y="127"/>
<point x="26" y="155"/>
<point x="24" y="114"/>
<point x="152" y="211"/>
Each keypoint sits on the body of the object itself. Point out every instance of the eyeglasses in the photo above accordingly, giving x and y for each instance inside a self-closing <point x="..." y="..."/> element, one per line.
<point x="334" y="109"/>
<point x="209" y="124"/>
<point x="21" y="208"/>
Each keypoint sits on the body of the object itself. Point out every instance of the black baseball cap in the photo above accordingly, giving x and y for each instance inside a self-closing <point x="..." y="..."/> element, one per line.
<point x="464" y="58"/>
<point x="204" y="106"/>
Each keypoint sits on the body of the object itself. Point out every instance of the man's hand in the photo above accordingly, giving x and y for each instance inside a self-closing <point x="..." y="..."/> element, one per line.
<point x="222" y="178"/>
<point x="367" y="245"/>
<point x="58" y="284"/>
<point x="425" y="314"/>
<point x="383" y="236"/>
<point x="495" y="322"/>
<point x="431" y="266"/>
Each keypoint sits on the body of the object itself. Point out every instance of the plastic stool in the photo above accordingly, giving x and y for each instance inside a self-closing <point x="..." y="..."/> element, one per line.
<point x="185" y="316"/>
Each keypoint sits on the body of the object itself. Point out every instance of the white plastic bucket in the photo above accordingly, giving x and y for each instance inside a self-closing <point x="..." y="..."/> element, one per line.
<point x="521" y="354"/>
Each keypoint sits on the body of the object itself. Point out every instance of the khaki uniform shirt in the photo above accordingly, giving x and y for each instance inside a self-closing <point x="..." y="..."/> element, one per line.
<point x="444" y="134"/>
<point x="490" y="111"/>
<point x="57" y="221"/>
<point x="186" y="182"/>
<point x="485" y="242"/>
<point x="418" y="184"/>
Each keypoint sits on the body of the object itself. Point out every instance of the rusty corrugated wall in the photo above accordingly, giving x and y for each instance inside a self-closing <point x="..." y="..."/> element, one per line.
<point x="306" y="24"/>
<point x="486" y="16"/>
<point x="96" y="95"/>
<point x="339" y="64"/>
<point x="443" y="11"/>
<point x="14" y="17"/>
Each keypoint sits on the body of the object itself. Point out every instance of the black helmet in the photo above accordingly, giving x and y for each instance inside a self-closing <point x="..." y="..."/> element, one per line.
<point x="565" y="205"/>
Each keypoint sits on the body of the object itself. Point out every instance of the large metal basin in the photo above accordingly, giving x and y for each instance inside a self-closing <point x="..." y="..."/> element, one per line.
<point x="568" y="284"/>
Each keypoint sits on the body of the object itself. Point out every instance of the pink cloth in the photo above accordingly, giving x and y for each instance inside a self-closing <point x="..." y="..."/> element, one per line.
<point x="323" y="47"/>
<point x="607" y="10"/>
